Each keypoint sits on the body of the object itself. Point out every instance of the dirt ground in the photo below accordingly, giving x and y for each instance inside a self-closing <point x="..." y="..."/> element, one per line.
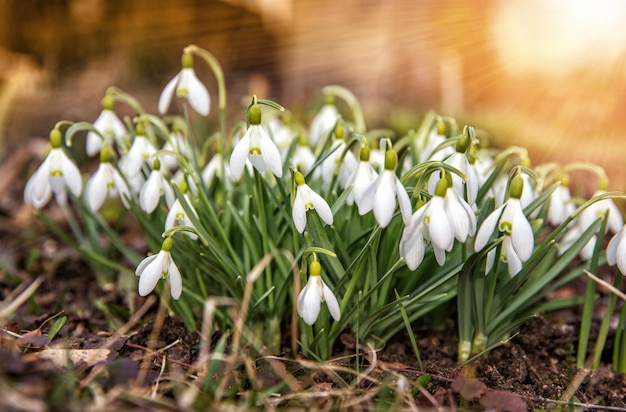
<point x="533" y="369"/>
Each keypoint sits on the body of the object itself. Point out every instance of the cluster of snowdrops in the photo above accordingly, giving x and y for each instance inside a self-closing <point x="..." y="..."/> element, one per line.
<point x="354" y="209"/>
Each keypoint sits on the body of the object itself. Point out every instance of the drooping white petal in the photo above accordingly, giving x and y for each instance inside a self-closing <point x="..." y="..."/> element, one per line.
<point x="71" y="175"/>
<point x="150" y="273"/>
<point x="403" y="201"/>
<point x="522" y="237"/>
<point x="96" y="189"/>
<point x="176" y="281"/>
<point x="122" y="187"/>
<point x="321" y="207"/>
<point x="486" y="229"/>
<point x="611" y="249"/>
<point x="309" y="301"/>
<point x="367" y="200"/>
<point x="38" y="190"/>
<point x="323" y="123"/>
<point x="270" y="154"/>
<point x="151" y="192"/>
<point x="412" y="249"/>
<point x="166" y="95"/>
<point x="440" y="255"/>
<point x="620" y="253"/>
<point x="239" y="156"/>
<point x="513" y="261"/>
<point x="439" y="230"/>
<point x="331" y="302"/>
<point x="385" y="198"/>
<point x="197" y="93"/>
<point x="298" y="211"/>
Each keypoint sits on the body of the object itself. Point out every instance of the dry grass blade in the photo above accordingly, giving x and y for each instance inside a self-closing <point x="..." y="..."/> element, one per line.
<point x="607" y="285"/>
<point x="10" y="305"/>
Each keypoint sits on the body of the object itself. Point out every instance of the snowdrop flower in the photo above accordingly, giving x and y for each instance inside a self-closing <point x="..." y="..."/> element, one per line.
<point x="561" y="206"/>
<point x="314" y="292"/>
<point x="519" y="241"/>
<point x="616" y="250"/>
<point x="109" y="126"/>
<point x="381" y="195"/>
<point x="347" y="164"/>
<point x="106" y="182"/>
<point x="302" y="157"/>
<point x="155" y="187"/>
<point x="54" y="175"/>
<point x="280" y="133"/>
<point x="140" y="151"/>
<point x="216" y="168"/>
<point x="256" y="146"/>
<point x="586" y="218"/>
<point x="447" y="216"/>
<point x="413" y="241"/>
<point x="435" y="138"/>
<point x="306" y="199"/>
<point x="187" y="85"/>
<point x="362" y="177"/>
<point x="177" y="144"/>
<point x="159" y="266"/>
<point x="177" y="215"/>
<point x="459" y="161"/>
<point x="323" y="122"/>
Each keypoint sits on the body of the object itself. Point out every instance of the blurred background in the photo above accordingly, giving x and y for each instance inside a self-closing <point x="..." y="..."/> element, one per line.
<point x="546" y="75"/>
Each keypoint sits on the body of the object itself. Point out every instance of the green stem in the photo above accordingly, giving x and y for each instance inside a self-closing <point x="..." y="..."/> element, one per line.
<point x="606" y="322"/>
<point x="260" y="200"/>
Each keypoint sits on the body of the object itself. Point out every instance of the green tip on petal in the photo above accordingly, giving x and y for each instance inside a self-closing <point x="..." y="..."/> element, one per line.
<point x="186" y="61"/>
<point x="315" y="269"/>
<point x="442" y="187"/>
<point x="391" y="159"/>
<point x="55" y="138"/>
<point x="299" y="178"/>
<point x="516" y="188"/>
<point x="167" y="244"/>
<point x="108" y="102"/>
<point x="254" y="114"/>
<point x="364" y="154"/>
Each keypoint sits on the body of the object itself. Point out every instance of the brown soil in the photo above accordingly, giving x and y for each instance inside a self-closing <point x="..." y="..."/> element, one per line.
<point x="532" y="369"/>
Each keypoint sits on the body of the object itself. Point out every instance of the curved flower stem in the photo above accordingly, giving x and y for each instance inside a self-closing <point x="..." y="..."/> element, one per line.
<point x="353" y="103"/>
<point x="121" y="95"/>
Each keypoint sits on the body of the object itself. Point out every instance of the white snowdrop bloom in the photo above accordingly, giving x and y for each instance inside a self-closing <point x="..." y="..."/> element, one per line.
<point x="139" y="153"/>
<point x="177" y="216"/>
<point x="447" y="216"/>
<point x="159" y="266"/>
<point x="306" y="199"/>
<point x="313" y="294"/>
<point x="586" y="218"/>
<point x="616" y="251"/>
<point x="459" y="161"/>
<point x="55" y="174"/>
<point x="257" y="147"/>
<point x="561" y="205"/>
<point x="528" y="194"/>
<point x="109" y="126"/>
<point x="217" y="168"/>
<point x="177" y="144"/>
<point x="334" y="160"/>
<point x="280" y="133"/>
<point x="377" y="159"/>
<point x="155" y="187"/>
<point x="323" y="123"/>
<point x="512" y="223"/>
<point x="431" y="149"/>
<point x="362" y="177"/>
<point x="106" y="182"/>
<point x="302" y="158"/>
<point x="381" y="195"/>
<point x="186" y="84"/>
<point x="413" y="241"/>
